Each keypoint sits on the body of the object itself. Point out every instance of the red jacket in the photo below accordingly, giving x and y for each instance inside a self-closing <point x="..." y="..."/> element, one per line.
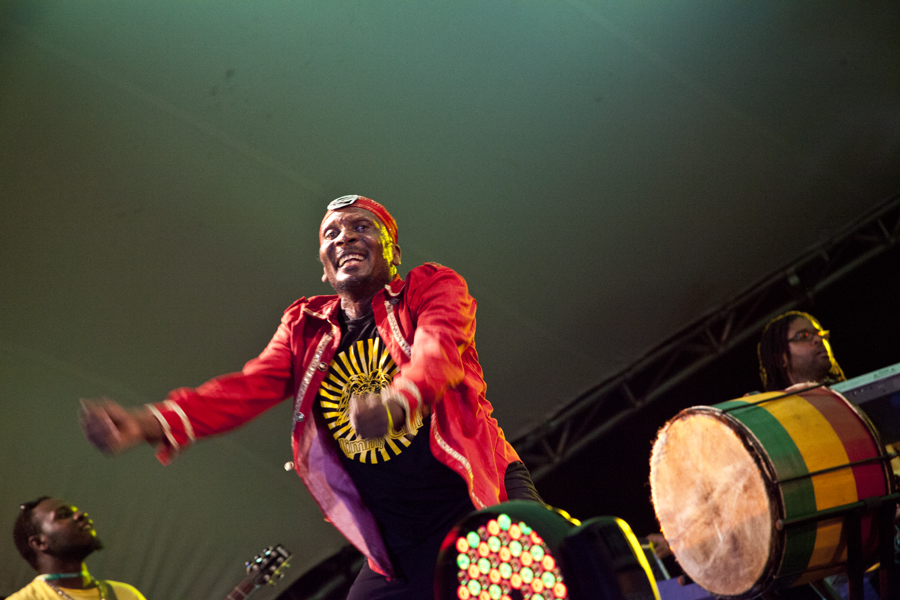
<point x="428" y="324"/>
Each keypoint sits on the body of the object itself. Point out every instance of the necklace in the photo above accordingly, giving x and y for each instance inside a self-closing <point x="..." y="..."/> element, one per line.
<point x="48" y="576"/>
<point x="62" y="594"/>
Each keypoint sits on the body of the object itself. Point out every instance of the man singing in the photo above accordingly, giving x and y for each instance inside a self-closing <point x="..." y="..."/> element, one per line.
<point x="392" y="434"/>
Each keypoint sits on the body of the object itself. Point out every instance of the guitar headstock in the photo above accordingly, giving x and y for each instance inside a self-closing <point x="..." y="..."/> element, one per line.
<point x="267" y="566"/>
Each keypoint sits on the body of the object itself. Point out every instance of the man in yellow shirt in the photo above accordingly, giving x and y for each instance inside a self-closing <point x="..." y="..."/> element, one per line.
<point x="56" y="538"/>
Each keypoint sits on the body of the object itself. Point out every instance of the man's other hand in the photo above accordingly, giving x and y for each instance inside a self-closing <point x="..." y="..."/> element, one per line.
<point x="369" y="414"/>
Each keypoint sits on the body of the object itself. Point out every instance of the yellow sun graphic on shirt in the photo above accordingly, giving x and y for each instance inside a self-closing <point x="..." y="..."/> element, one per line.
<point x="366" y="366"/>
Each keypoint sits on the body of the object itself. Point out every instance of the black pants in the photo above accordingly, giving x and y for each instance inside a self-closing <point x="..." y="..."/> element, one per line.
<point x="417" y="579"/>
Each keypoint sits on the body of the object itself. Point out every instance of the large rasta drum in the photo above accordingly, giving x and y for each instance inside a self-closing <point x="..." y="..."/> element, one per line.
<point x="722" y="476"/>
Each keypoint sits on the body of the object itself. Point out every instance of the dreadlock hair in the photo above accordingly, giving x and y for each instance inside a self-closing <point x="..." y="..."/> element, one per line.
<point x="24" y="528"/>
<point x="773" y="346"/>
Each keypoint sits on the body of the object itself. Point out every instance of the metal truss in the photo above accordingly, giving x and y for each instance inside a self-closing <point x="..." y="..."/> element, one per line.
<point x="599" y="409"/>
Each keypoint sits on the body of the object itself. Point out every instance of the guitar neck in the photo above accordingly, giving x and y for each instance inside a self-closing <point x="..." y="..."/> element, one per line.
<point x="265" y="568"/>
<point x="242" y="590"/>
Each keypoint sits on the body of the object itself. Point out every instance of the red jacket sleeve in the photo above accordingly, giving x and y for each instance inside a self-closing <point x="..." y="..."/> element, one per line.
<point x="438" y="301"/>
<point x="228" y="401"/>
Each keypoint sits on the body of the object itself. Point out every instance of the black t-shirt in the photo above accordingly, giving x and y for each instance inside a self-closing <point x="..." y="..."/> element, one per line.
<point x="411" y="494"/>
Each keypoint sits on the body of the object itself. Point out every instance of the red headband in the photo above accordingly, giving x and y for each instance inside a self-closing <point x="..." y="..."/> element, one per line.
<point x="362" y="202"/>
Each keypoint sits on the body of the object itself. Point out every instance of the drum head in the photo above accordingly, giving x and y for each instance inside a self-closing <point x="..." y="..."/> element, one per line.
<point x="712" y="501"/>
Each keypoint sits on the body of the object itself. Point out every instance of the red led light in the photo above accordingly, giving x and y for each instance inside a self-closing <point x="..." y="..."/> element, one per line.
<point x="474" y="573"/>
<point x="463" y="593"/>
<point x="559" y="590"/>
<point x="536" y="538"/>
<point x="537" y="585"/>
<point x="494" y="576"/>
<point x="515" y="581"/>
<point x="484" y="595"/>
<point x="526" y="559"/>
<point x="493" y="527"/>
<point x="462" y="546"/>
<point x="483" y="549"/>
<point x="505" y="554"/>
<point x="548" y="563"/>
<point x="515" y="532"/>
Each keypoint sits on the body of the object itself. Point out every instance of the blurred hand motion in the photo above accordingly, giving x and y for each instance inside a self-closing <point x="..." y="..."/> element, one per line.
<point x="108" y="426"/>
<point x="368" y="416"/>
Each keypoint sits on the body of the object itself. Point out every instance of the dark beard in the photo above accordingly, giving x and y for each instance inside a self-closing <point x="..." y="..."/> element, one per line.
<point x="75" y="553"/>
<point x="352" y="286"/>
<point x="357" y="287"/>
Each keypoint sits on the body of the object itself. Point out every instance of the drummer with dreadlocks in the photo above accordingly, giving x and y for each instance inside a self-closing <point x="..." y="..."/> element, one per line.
<point x="795" y="349"/>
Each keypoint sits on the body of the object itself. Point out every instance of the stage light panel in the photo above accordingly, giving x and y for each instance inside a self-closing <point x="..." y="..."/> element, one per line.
<point x="528" y="551"/>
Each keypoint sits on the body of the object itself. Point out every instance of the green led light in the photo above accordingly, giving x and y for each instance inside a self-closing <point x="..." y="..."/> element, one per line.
<point x="494" y="543"/>
<point x="525" y="528"/>
<point x="484" y="565"/>
<point x="537" y="552"/>
<point x="505" y="570"/>
<point x="463" y="561"/>
<point x="548" y="579"/>
<point x="527" y="575"/>
<point x="515" y="548"/>
<point x="474" y="587"/>
<point x="495" y="592"/>
<point x="473" y="539"/>
<point x="504" y="521"/>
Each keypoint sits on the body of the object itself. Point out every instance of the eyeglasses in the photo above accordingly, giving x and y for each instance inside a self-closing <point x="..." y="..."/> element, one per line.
<point x="807" y="336"/>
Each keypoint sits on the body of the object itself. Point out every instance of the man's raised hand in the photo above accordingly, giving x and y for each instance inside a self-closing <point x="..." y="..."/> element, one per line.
<point x="112" y="428"/>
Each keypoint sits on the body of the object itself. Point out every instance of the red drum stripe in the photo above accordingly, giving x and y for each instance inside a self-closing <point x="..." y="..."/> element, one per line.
<point x="859" y="445"/>
<point x="857" y="442"/>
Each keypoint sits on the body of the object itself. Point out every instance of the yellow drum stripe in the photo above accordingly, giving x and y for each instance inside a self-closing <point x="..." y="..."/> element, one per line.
<point x="820" y="448"/>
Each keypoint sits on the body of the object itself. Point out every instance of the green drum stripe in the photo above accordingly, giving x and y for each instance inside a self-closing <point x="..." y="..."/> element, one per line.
<point x="799" y="496"/>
